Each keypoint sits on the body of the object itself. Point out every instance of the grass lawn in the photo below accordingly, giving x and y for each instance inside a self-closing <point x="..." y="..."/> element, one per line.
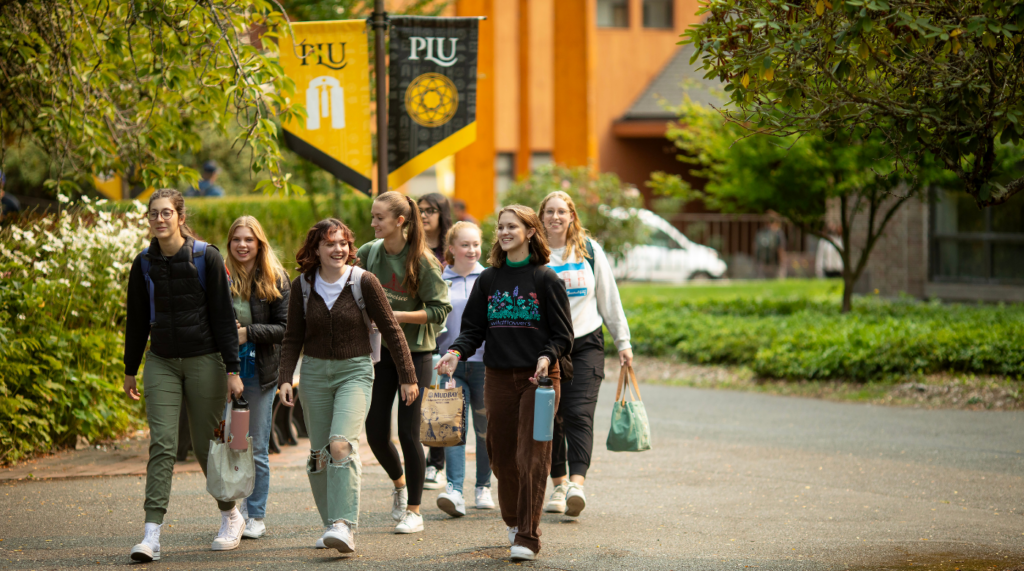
<point x="794" y="330"/>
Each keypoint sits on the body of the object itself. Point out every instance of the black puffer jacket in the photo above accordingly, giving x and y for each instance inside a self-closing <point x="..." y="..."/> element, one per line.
<point x="267" y="331"/>
<point x="190" y="320"/>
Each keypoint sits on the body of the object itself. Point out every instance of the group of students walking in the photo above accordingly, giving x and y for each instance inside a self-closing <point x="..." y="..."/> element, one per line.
<point x="370" y="324"/>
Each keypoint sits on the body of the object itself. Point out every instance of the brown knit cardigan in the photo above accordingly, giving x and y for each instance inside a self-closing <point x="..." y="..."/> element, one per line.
<point x="340" y="333"/>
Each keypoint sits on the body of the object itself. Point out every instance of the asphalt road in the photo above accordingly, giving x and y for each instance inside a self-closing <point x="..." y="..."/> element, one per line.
<point x="734" y="481"/>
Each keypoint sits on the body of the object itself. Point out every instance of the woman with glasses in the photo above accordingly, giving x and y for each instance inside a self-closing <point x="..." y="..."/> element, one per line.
<point x="436" y="215"/>
<point x="180" y="303"/>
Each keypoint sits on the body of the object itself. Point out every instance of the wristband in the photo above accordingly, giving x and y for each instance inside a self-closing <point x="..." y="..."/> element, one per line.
<point x="456" y="353"/>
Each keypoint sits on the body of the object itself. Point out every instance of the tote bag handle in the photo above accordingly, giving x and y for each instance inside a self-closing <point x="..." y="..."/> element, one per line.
<point x="626" y="377"/>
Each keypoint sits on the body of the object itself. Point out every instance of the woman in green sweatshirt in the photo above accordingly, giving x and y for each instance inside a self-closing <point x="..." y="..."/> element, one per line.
<point x="418" y="295"/>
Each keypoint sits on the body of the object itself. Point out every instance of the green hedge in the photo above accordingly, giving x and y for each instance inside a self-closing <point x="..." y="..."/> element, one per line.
<point x="806" y="337"/>
<point x="286" y="220"/>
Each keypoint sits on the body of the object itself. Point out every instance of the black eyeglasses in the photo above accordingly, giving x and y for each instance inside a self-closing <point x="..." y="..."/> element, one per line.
<point x="429" y="211"/>
<point x="165" y="214"/>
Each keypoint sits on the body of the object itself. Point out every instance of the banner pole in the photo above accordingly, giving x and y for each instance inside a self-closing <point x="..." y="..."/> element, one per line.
<point x="380" y="71"/>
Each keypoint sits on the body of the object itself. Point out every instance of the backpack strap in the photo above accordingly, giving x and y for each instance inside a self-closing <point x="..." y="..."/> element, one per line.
<point x="149" y="285"/>
<point x="355" y="282"/>
<point x="374" y="255"/>
<point x="306" y="288"/>
<point x="199" y="260"/>
<point x="590" y="254"/>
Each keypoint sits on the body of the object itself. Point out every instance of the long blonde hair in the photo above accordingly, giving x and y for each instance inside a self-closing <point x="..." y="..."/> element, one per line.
<point x="267" y="267"/>
<point x="576" y="235"/>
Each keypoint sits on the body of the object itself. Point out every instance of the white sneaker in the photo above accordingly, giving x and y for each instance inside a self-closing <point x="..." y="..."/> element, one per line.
<point x="411" y="523"/>
<point x="556" y="503"/>
<point x="434" y="479"/>
<point x="575" y="500"/>
<point x="320" y="541"/>
<point x="339" y="536"/>
<point x="520" y="553"/>
<point x="149" y="549"/>
<point x="451" y="502"/>
<point x="512" y="531"/>
<point x="483" y="499"/>
<point x="254" y="528"/>
<point x="399" y="502"/>
<point x="230" y="534"/>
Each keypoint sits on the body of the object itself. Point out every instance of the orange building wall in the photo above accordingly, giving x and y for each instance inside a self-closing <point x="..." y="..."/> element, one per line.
<point x="627" y="60"/>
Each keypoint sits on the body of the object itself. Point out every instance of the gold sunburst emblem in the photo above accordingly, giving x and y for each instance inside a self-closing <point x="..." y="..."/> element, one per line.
<point x="431" y="100"/>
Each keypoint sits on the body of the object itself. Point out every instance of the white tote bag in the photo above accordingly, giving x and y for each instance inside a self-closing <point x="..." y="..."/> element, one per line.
<point x="230" y="474"/>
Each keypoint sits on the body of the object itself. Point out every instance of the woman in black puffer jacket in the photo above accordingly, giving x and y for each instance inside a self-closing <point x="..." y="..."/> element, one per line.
<point x="259" y="290"/>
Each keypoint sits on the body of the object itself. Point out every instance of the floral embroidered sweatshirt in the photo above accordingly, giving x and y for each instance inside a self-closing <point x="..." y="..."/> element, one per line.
<point x="522" y="313"/>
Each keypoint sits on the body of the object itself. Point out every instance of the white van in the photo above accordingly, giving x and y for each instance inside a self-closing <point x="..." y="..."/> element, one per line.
<point x="669" y="256"/>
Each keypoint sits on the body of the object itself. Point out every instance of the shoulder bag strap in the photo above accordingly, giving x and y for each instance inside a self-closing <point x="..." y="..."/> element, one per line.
<point x="305" y="287"/>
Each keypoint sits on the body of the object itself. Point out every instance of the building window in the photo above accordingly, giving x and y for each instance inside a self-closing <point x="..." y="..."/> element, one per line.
<point x="539" y="159"/>
<point x="504" y="174"/>
<point x="658" y="14"/>
<point x="613" y="13"/>
<point x="972" y="245"/>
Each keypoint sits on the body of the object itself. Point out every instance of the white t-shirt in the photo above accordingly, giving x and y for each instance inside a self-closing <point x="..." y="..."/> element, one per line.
<point x="593" y="299"/>
<point x="329" y="291"/>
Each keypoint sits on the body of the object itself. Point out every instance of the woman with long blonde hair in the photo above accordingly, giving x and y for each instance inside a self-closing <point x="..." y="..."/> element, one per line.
<point x="259" y="293"/>
<point x="594" y="299"/>
<point x="519" y="307"/>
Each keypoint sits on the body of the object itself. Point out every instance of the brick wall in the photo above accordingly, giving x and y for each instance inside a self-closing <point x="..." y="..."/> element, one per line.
<point x="899" y="262"/>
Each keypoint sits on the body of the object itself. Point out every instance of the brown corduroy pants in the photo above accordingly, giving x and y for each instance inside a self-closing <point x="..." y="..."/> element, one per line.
<point x="520" y="463"/>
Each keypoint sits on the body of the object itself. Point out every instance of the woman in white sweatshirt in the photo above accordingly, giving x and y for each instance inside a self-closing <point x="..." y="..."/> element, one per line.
<point x="594" y="301"/>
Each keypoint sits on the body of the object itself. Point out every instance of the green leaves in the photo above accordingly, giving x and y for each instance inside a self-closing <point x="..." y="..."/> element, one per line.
<point x="949" y="66"/>
<point x="128" y="84"/>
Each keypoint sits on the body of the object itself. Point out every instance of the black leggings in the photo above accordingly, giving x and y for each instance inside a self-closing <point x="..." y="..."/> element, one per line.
<point x="574" y="420"/>
<point x="378" y="422"/>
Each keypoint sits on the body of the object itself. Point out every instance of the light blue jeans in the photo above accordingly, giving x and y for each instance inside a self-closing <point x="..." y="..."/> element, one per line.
<point x="469" y="376"/>
<point x="261" y="411"/>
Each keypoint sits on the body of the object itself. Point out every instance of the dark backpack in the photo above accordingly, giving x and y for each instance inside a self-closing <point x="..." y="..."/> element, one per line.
<point x="198" y="260"/>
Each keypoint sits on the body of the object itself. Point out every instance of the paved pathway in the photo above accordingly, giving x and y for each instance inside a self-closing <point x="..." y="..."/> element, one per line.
<point x="735" y="481"/>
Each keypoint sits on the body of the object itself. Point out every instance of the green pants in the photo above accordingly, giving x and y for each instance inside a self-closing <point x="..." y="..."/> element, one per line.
<point x="201" y="383"/>
<point x="335" y="397"/>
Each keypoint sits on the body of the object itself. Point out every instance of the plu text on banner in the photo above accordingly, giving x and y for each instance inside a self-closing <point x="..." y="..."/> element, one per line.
<point x="329" y="63"/>
<point x="432" y="92"/>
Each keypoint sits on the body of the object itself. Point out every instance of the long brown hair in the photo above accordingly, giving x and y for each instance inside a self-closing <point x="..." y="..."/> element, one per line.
<point x="308" y="256"/>
<point x="267" y="269"/>
<point x="540" y="253"/>
<point x="399" y="204"/>
<point x="453" y="234"/>
<point x="576" y="235"/>
<point x="179" y="205"/>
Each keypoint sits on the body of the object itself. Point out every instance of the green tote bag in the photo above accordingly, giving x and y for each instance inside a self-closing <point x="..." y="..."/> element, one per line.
<point x="630" y="430"/>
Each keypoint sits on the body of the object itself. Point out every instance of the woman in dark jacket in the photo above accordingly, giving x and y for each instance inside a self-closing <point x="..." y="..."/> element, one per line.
<point x="259" y="290"/>
<point x="179" y="302"/>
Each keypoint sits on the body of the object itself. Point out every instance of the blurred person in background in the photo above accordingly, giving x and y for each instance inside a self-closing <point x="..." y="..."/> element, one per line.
<point x="827" y="261"/>
<point x="459" y="212"/>
<point x="207" y="184"/>
<point x="770" y="250"/>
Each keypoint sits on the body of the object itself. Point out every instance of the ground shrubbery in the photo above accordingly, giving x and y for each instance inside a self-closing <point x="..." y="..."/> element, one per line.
<point x="802" y="335"/>
<point x="62" y="296"/>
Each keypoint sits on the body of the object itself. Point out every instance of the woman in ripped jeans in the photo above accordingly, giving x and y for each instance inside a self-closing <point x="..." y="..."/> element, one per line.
<point x="326" y="325"/>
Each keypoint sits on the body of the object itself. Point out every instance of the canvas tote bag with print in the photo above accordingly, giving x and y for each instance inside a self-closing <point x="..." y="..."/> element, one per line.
<point x="230" y="474"/>
<point x="630" y="431"/>
<point x="443" y="417"/>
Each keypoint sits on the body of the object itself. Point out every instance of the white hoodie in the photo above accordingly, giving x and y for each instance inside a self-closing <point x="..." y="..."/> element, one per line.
<point x="593" y="299"/>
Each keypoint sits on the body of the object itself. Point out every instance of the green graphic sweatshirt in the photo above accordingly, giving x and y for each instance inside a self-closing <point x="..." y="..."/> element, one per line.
<point x="432" y="295"/>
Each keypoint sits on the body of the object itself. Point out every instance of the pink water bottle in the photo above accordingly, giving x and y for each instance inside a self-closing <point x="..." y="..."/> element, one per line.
<point x="239" y="423"/>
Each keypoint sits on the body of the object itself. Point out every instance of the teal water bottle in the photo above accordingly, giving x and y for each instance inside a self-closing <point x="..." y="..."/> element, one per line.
<point x="544" y="410"/>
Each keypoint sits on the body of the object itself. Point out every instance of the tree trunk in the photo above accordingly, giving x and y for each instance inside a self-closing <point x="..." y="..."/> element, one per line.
<point x="848" y="281"/>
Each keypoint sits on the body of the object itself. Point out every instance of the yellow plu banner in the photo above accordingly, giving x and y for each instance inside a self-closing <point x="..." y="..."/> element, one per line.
<point x="329" y="63"/>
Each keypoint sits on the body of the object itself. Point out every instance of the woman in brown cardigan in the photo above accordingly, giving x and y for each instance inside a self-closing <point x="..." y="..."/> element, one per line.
<point x="326" y="326"/>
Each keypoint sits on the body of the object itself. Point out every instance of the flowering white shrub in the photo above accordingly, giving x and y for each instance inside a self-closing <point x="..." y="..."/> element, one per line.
<point x="63" y="282"/>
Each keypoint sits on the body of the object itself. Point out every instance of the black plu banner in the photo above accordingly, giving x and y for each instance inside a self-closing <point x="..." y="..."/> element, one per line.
<point x="432" y="98"/>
